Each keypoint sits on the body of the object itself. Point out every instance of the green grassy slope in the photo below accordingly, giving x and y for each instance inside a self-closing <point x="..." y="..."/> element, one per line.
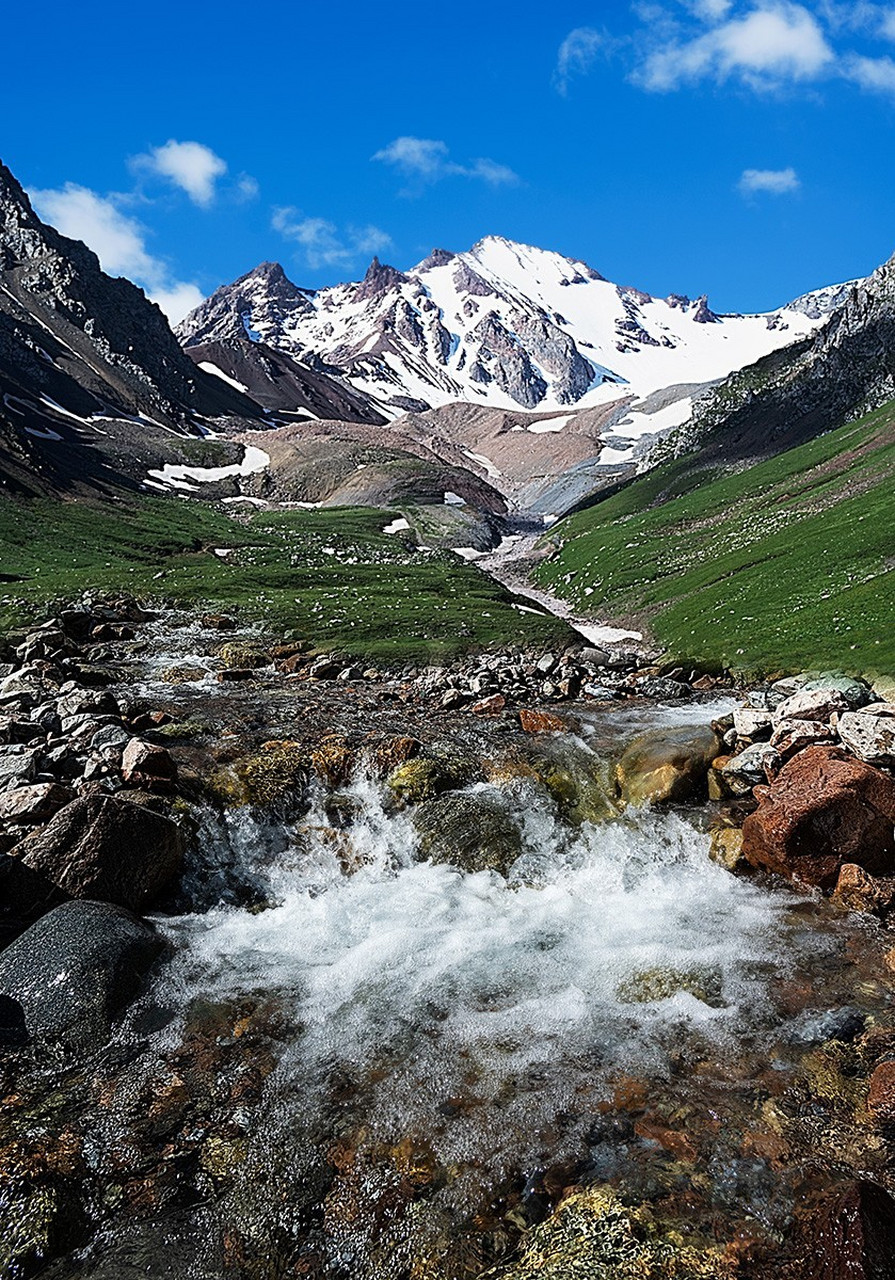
<point x="787" y="564"/>
<point x="332" y="576"/>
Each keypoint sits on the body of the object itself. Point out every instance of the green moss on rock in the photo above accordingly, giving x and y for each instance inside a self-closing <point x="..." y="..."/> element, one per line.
<point x="593" y="1236"/>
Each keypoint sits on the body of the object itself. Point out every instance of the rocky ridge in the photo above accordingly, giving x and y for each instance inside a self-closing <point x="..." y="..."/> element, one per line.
<point x="839" y="373"/>
<point x="504" y="325"/>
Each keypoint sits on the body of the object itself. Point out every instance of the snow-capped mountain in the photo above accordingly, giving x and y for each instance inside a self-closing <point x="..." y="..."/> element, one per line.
<point x="505" y="325"/>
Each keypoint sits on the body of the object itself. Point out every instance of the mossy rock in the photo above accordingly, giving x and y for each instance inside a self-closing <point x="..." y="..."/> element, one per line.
<point x="593" y="1236"/>
<point x="471" y="831"/>
<point x="182" y="730"/>
<point x="666" y="764"/>
<point x="237" y="655"/>
<point x="275" y="775"/>
<point x="182" y="675"/>
<point x="727" y="848"/>
<point x="664" y="982"/>
<point x="425" y="777"/>
<point x="579" y="784"/>
<point x="333" y="760"/>
<point x="222" y="1157"/>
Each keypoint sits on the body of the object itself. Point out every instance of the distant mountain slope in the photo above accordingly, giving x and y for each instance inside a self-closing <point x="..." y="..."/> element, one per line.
<point x="95" y="390"/>
<point x="846" y="368"/>
<point x="785" y="564"/>
<point x="505" y="326"/>
<point x="282" y="385"/>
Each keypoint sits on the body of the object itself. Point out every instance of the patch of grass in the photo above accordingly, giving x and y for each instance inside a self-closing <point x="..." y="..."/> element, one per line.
<point x="331" y="576"/>
<point x="786" y="565"/>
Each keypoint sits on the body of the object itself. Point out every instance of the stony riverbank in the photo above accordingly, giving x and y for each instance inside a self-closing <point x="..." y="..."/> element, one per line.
<point x="737" y="1114"/>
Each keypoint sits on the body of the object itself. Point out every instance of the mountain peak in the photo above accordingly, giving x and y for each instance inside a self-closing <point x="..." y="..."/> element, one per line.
<point x="379" y="279"/>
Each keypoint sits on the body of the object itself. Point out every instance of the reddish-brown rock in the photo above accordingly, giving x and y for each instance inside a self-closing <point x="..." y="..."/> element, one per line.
<point x="541" y="722"/>
<point x="489" y="706"/>
<point x="146" y="765"/>
<point x="881" y="1096"/>
<point x="824" y="809"/>
<point x="849" y="1236"/>
<point x="29" y="806"/>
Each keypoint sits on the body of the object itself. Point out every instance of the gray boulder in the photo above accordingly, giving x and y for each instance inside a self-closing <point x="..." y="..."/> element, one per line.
<point x="74" y="972"/>
<point x="870" y="734"/>
<point x="108" y="849"/>
<point x="468" y="830"/>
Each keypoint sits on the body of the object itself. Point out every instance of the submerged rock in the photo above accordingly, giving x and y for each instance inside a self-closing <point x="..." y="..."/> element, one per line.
<point x="593" y="1236"/>
<point x="105" y="848"/>
<point x="823" y="810"/>
<point x="75" y="970"/>
<point x="666" y="764"/>
<point x="850" y="1235"/>
<point x="471" y="831"/>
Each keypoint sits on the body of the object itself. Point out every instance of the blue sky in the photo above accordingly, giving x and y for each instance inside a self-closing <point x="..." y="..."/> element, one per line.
<point x="741" y="148"/>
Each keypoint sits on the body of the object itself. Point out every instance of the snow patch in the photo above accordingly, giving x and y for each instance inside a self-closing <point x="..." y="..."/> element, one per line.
<point x="174" y="473"/>
<point x="209" y="367"/>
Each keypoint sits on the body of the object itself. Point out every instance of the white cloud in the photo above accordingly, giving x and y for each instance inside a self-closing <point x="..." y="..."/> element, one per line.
<point x="710" y="10"/>
<point x="576" y="56"/>
<point x="428" y="160"/>
<point x="119" y="242"/>
<point x="178" y="300"/>
<point x="247" y="187"/>
<point x="420" y="157"/>
<point x="772" y="45"/>
<point x="875" y="74"/>
<point x="775" y="182"/>
<point x="887" y="24"/>
<point x="191" y="166"/>
<point x="323" y="243"/>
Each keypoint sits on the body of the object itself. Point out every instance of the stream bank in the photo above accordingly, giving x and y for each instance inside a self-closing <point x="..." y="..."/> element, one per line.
<point x="374" y="1047"/>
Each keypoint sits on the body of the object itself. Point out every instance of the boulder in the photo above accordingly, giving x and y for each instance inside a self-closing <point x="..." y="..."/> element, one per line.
<point x="105" y="848"/>
<point x="470" y="831"/>
<point x="74" y="971"/>
<point x="17" y="765"/>
<point x="144" y="764"/>
<point x="32" y="805"/>
<point x="855" y="692"/>
<point x="792" y="736"/>
<point x="750" y="723"/>
<point x="743" y="772"/>
<point x="870" y="734"/>
<point x="662" y="688"/>
<point x="812" y="704"/>
<point x="848" y="1235"/>
<point x="823" y="809"/>
<point x="666" y="764"/>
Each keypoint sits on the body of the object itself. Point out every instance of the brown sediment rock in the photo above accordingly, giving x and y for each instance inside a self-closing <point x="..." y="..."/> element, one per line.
<point x="823" y="810"/>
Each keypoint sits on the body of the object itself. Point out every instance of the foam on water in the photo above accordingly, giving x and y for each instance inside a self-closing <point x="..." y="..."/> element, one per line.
<point x="520" y="991"/>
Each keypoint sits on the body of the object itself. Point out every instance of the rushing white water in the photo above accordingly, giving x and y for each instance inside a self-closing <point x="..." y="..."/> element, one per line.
<point x="524" y="994"/>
